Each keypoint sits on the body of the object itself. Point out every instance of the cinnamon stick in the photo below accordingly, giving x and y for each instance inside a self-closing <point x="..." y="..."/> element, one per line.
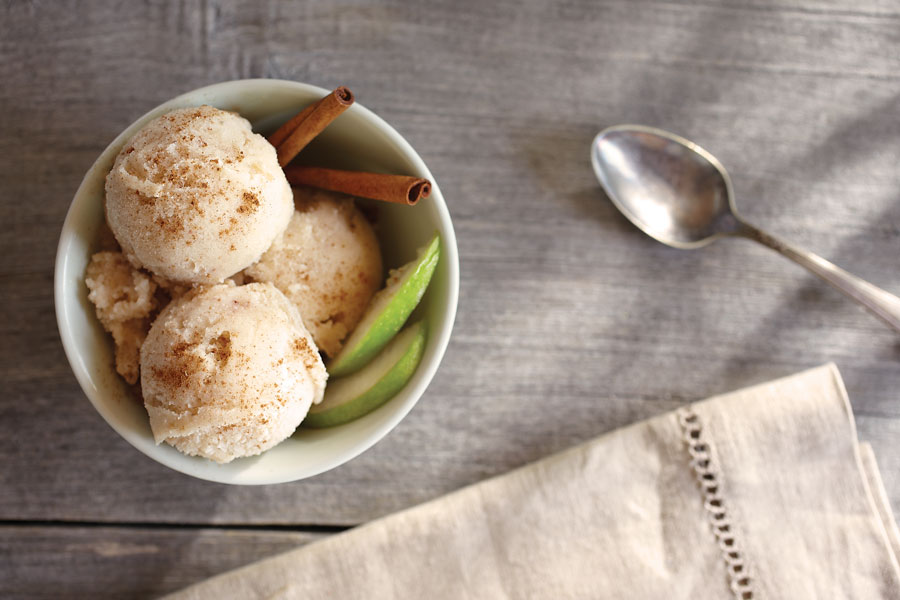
<point x="281" y="134"/>
<point x="400" y="189"/>
<point x="309" y="123"/>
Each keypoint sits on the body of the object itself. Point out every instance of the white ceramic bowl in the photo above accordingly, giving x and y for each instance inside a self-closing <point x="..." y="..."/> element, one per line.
<point x="360" y="140"/>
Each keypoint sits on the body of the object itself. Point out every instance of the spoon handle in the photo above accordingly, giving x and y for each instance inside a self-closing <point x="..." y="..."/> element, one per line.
<point x="882" y="304"/>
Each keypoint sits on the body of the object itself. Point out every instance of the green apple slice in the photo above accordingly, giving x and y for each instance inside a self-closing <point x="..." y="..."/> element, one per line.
<point x="359" y="394"/>
<point x="388" y="311"/>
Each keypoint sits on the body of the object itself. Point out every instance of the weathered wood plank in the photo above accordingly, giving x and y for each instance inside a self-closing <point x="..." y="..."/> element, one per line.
<point x="571" y="323"/>
<point x="106" y="562"/>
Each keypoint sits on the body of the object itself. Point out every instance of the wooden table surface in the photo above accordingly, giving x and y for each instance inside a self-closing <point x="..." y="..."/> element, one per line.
<point x="571" y="322"/>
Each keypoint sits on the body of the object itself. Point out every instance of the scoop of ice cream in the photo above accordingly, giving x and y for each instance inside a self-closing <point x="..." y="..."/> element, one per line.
<point x="195" y="196"/>
<point x="123" y="298"/>
<point x="229" y="371"/>
<point x="328" y="263"/>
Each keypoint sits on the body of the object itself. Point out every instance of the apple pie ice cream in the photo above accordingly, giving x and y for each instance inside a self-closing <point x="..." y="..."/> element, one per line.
<point x="124" y="299"/>
<point x="224" y="284"/>
<point x="328" y="263"/>
<point x="195" y="196"/>
<point x="229" y="371"/>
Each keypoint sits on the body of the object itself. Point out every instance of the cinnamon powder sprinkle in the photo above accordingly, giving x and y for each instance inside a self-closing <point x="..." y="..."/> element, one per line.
<point x="172" y="377"/>
<point x="250" y="203"/>
<point x="221" y="348"/>
<point x="172" y="225"/>
<point x="301" y="346"/>
<point x="309" y="355"/>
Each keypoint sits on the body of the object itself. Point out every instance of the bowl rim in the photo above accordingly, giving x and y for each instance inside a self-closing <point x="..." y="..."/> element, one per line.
<point x="446" y="318"/>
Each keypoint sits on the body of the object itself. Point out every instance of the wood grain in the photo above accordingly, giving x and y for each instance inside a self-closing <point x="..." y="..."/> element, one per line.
<point x="106" y="562"/>
<point x="571" y="322"/>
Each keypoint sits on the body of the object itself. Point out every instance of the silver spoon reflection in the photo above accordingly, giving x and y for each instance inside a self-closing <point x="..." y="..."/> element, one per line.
<point x="678" y="193"/>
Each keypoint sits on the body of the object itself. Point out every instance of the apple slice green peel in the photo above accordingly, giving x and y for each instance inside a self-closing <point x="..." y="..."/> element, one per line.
<point x="359" y="394"/>
<point x="388" y="311"/>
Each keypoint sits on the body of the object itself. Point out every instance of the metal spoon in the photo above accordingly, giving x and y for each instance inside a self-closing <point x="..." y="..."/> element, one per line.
<point x="678" y="193"/>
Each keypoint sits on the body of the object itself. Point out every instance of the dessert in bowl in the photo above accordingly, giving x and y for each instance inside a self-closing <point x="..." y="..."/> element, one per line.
<point x="357" y="141"/>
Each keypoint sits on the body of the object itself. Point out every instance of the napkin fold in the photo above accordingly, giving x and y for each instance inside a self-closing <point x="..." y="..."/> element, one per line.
<point x="760" y="493"/>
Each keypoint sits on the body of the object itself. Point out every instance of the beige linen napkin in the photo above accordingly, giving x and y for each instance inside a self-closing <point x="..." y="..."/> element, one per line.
<point x="761" y="493"/>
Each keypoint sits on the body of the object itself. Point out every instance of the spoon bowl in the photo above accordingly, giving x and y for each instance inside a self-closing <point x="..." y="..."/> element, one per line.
<point x="669" y="187"/>
<point x="680" y="194"/>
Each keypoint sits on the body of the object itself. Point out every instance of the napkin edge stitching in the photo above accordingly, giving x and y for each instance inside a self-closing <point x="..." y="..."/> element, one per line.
<point x="707" y="476"/>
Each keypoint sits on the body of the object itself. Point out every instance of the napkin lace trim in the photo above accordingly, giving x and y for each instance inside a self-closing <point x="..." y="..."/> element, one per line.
<point x="707" y="474"/>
